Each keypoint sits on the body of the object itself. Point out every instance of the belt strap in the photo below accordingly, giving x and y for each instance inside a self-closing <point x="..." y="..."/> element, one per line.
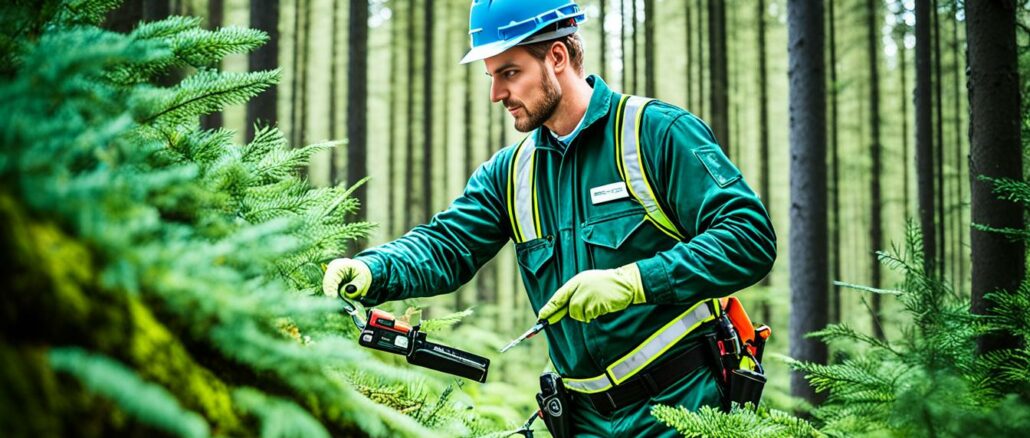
<point x="650" y="382"/>
<point x="648" y="351"/>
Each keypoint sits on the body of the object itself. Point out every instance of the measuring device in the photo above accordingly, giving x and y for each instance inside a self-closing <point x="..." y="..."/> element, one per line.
<point x="382" y="331"/>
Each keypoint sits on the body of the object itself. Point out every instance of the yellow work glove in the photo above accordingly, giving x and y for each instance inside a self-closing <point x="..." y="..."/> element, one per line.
<point x="596" y="292"/>
<point x="343" y="272"/>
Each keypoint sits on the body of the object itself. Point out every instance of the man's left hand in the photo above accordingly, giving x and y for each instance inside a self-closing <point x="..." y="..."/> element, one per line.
<point x="593" y="293"/>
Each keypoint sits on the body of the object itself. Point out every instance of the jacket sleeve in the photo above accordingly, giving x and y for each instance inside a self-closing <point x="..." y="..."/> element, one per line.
<point x="729" y="242"/>
<point x="440" y="256"/>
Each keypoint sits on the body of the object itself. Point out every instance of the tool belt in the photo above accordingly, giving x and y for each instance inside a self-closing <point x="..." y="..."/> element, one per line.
<point x="651" y="382"/>
<point x="737" y="385"/>
<point x="732" y="350"/>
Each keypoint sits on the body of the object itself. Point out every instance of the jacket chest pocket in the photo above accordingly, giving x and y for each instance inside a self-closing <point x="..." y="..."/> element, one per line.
<point x="536" y="260"/>
<point x="621" y="238"/>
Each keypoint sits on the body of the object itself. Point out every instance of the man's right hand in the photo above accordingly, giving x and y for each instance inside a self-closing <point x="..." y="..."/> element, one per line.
<point x="346" y="272"/>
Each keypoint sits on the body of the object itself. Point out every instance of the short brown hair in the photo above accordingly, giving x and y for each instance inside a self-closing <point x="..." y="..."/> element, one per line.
<point x="573" y="44"/>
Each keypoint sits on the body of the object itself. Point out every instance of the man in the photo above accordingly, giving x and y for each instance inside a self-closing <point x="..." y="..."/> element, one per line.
<point x="622" y="240"/>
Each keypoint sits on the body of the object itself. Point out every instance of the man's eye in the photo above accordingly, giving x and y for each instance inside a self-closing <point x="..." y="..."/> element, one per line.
<point x="510" y="74"/>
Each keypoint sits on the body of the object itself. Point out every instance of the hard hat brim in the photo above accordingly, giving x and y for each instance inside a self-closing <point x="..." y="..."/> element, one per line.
<point x="487" y="50"/>
<point x="498" y="47"/>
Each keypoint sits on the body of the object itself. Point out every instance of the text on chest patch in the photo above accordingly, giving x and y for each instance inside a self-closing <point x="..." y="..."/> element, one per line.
<point x="608" y="192"/>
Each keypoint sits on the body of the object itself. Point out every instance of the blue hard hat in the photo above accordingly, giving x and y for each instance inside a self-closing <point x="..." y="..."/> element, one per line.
<point x="498" y="25"/>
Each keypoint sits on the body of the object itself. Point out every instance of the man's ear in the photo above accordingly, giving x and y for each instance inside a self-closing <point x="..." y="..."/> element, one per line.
<point x="559" y="55"/>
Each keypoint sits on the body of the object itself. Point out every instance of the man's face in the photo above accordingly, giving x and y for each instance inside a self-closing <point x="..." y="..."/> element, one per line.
<point x="525" y="85"/>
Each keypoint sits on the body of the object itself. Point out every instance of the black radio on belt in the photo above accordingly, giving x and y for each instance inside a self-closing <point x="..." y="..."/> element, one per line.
<point x="555" y="405"/>
<point x="384" y="332"/>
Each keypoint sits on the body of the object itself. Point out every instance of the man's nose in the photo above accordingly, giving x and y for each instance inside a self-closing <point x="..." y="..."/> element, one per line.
<point x="497" y="92"/>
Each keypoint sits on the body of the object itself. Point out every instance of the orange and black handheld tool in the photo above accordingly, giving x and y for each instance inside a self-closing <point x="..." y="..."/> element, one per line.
<point x="384" y="332"/>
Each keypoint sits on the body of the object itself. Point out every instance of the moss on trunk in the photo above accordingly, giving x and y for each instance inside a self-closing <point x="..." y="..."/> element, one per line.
<point x="55" y="298"/>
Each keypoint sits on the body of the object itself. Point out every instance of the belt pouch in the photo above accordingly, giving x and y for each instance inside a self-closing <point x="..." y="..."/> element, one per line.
<point x="746" y="387"/>
<point x="555" y="405"/>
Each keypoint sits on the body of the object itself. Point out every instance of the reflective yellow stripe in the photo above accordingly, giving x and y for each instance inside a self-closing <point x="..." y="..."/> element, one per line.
<point x="658" y="215"/>
<point x="589" y="386"/>
<point x="630" y="162"/>
<point x="511" y="194"/>
<point x="648" y="351"/>
<point x="522" y="200"/>
<point x="536" y="203"/>
<point x="659" y="342"/>
<point x="617" y="135"/>
<point x="661" y="228"/>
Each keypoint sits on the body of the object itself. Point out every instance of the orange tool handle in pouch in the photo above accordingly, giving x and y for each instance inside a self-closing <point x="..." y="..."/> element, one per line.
<point x="734" y="310"/>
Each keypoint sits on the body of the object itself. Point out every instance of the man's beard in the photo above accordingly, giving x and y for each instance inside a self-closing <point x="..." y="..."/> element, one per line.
<point x="535" y="118"/>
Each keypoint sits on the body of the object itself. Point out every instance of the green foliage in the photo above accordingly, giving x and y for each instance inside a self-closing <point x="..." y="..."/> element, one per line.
<point x="279" y="417"/>
<point x="710" y="422"/>
<point x="928" y="382"/>
<point x="222" y="242"/>
<point x="150" y="403"/>
<point x="445" y="322"/>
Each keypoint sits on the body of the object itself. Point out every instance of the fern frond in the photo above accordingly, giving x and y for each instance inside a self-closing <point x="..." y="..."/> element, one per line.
<point x="148" y="402"/>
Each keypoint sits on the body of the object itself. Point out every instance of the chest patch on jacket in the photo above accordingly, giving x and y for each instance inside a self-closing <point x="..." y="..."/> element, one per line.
<point x="608" y="192"/>
<point x="718" y="166"/>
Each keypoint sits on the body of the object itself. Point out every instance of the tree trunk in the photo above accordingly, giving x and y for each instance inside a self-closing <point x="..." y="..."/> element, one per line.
<point x="731" y="30"/>
<point x="808" y="253"/>
<point x="942" y="214"/>
<point x="650" y="88"/>
<point x="690" y="56"/>
<point x="334" y="68"/>
<point x="995" y="151"/>
<point x="297" y="80"/>
<point x="467" y="122"/>
<point x="763" y="137"/>
<point x="903" y="69"/>
<point x="924" y="135"/>
<point x="427" y="110"/>
<point x="876" y="201"/>
<point x="445" y="158"/>
<point x="636" y="47"/>
<point x="264" y="15"/>
<point x="155" y="10"/>
<point x="719" y="118"/>
<point x="409" y="155"/>
<point x="835" y="315"/>
<point x="215" y="16"/>
<point x="357" y="101"/>
<point x="125" y="17"/>
<point x="604" y="40"/>
<point x="623" y="28"/>
<point x="391" y="139"/>
<point x="702" y="61"/>
<point x="960" y="216"/>
<point x="305" y="49"/>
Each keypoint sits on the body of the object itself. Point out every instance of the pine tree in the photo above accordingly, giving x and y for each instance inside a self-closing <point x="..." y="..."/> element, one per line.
<point x="171" y="274"/>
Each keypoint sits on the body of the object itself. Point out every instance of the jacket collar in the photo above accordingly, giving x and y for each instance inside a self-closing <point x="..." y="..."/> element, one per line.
<point x="600" y="104"/>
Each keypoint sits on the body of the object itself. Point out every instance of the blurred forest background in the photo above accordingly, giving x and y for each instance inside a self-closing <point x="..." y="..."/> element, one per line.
<point x="428" y="121"/>
<point x="376" y="87"/>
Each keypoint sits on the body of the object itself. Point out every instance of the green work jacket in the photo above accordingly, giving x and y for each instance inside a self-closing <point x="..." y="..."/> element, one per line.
<point x="729" y="240"/>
